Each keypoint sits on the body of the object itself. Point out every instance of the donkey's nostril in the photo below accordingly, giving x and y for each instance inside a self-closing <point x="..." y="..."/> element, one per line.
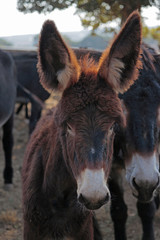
<point x="145" y="189"/>
<point x="138" y="187"/>
<point x="105" y="200"/>
<point x="135" y="184"/>
<point x="82" y="199"/>
<point x="92" y="205"/>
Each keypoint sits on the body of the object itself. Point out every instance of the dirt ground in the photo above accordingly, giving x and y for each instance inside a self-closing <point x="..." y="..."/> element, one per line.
<point x="10" y="201"/>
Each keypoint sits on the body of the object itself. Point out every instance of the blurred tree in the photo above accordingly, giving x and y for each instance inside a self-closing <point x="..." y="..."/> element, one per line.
<point x="151" y="33"/>
<point x="92" y="12"/>
<point x="155" y="33"/>
<point x="42" y="6"/>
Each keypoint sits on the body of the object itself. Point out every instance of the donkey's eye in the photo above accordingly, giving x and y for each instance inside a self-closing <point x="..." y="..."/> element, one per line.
<point x="70" y="130"/>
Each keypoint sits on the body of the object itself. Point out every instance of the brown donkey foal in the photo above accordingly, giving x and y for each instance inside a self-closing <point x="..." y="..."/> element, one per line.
<point x="69" y="155"/>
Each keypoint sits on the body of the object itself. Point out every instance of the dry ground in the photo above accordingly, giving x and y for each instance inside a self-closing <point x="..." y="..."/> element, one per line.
<point x="10" y="202"/>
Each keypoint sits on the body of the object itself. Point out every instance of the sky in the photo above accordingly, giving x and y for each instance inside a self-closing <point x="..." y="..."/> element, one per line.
<point x="13" y="22"/>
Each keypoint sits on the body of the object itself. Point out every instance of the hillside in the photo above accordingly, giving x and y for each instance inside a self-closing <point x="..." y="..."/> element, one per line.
<point x="82" y="39"/>
<point x="74" y="39"/>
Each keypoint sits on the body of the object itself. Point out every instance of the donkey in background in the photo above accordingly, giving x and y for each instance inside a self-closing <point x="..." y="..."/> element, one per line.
<point x="141" y="107"/>
<point x="27" y="76"/>
<point x="137" y="148"/>
<point x="142" y="103"/>
<point x="69" y="155"/>
<point x="7" y="102"/>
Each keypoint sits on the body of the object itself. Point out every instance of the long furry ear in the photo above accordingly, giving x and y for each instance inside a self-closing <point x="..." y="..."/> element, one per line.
<point x="57" y="64"/>
<point x="119" y="64"/>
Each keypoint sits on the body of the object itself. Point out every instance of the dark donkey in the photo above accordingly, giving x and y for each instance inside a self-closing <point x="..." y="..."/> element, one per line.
<point x="137" y="148"/>
<point x="69" y="155"/>
<point x="7" y="103"/>
<point x="28" y="77"/>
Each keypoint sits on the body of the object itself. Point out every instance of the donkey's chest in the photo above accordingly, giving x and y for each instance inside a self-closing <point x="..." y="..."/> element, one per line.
<point x="65" y="208"/>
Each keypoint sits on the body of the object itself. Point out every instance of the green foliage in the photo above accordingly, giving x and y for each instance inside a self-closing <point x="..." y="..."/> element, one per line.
<point x="145" y="32"/>
<point x="92" y="12"/>
<point x="42" y="6"/>
<point x="151" y="33"/>
<point x="99" y="12"/>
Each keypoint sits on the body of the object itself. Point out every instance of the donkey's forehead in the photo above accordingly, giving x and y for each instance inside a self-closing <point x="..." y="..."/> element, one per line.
<point x="88" y="90"/>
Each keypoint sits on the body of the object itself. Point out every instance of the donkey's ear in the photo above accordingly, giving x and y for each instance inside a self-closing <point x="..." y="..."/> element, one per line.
<point x="57" y="64"/>
<point x="120" y="63"/>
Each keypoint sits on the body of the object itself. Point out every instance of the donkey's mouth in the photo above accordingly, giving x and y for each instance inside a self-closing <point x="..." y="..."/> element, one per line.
<point x="144" y="197"/>
<point x="144" y="193"/>
<point x="93" y="205"/>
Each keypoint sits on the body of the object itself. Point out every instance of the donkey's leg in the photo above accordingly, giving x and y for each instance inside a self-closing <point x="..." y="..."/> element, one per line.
<point x="8" y="146"/>
<point x="118" y="207"/>
<point x="146" y="212"/>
